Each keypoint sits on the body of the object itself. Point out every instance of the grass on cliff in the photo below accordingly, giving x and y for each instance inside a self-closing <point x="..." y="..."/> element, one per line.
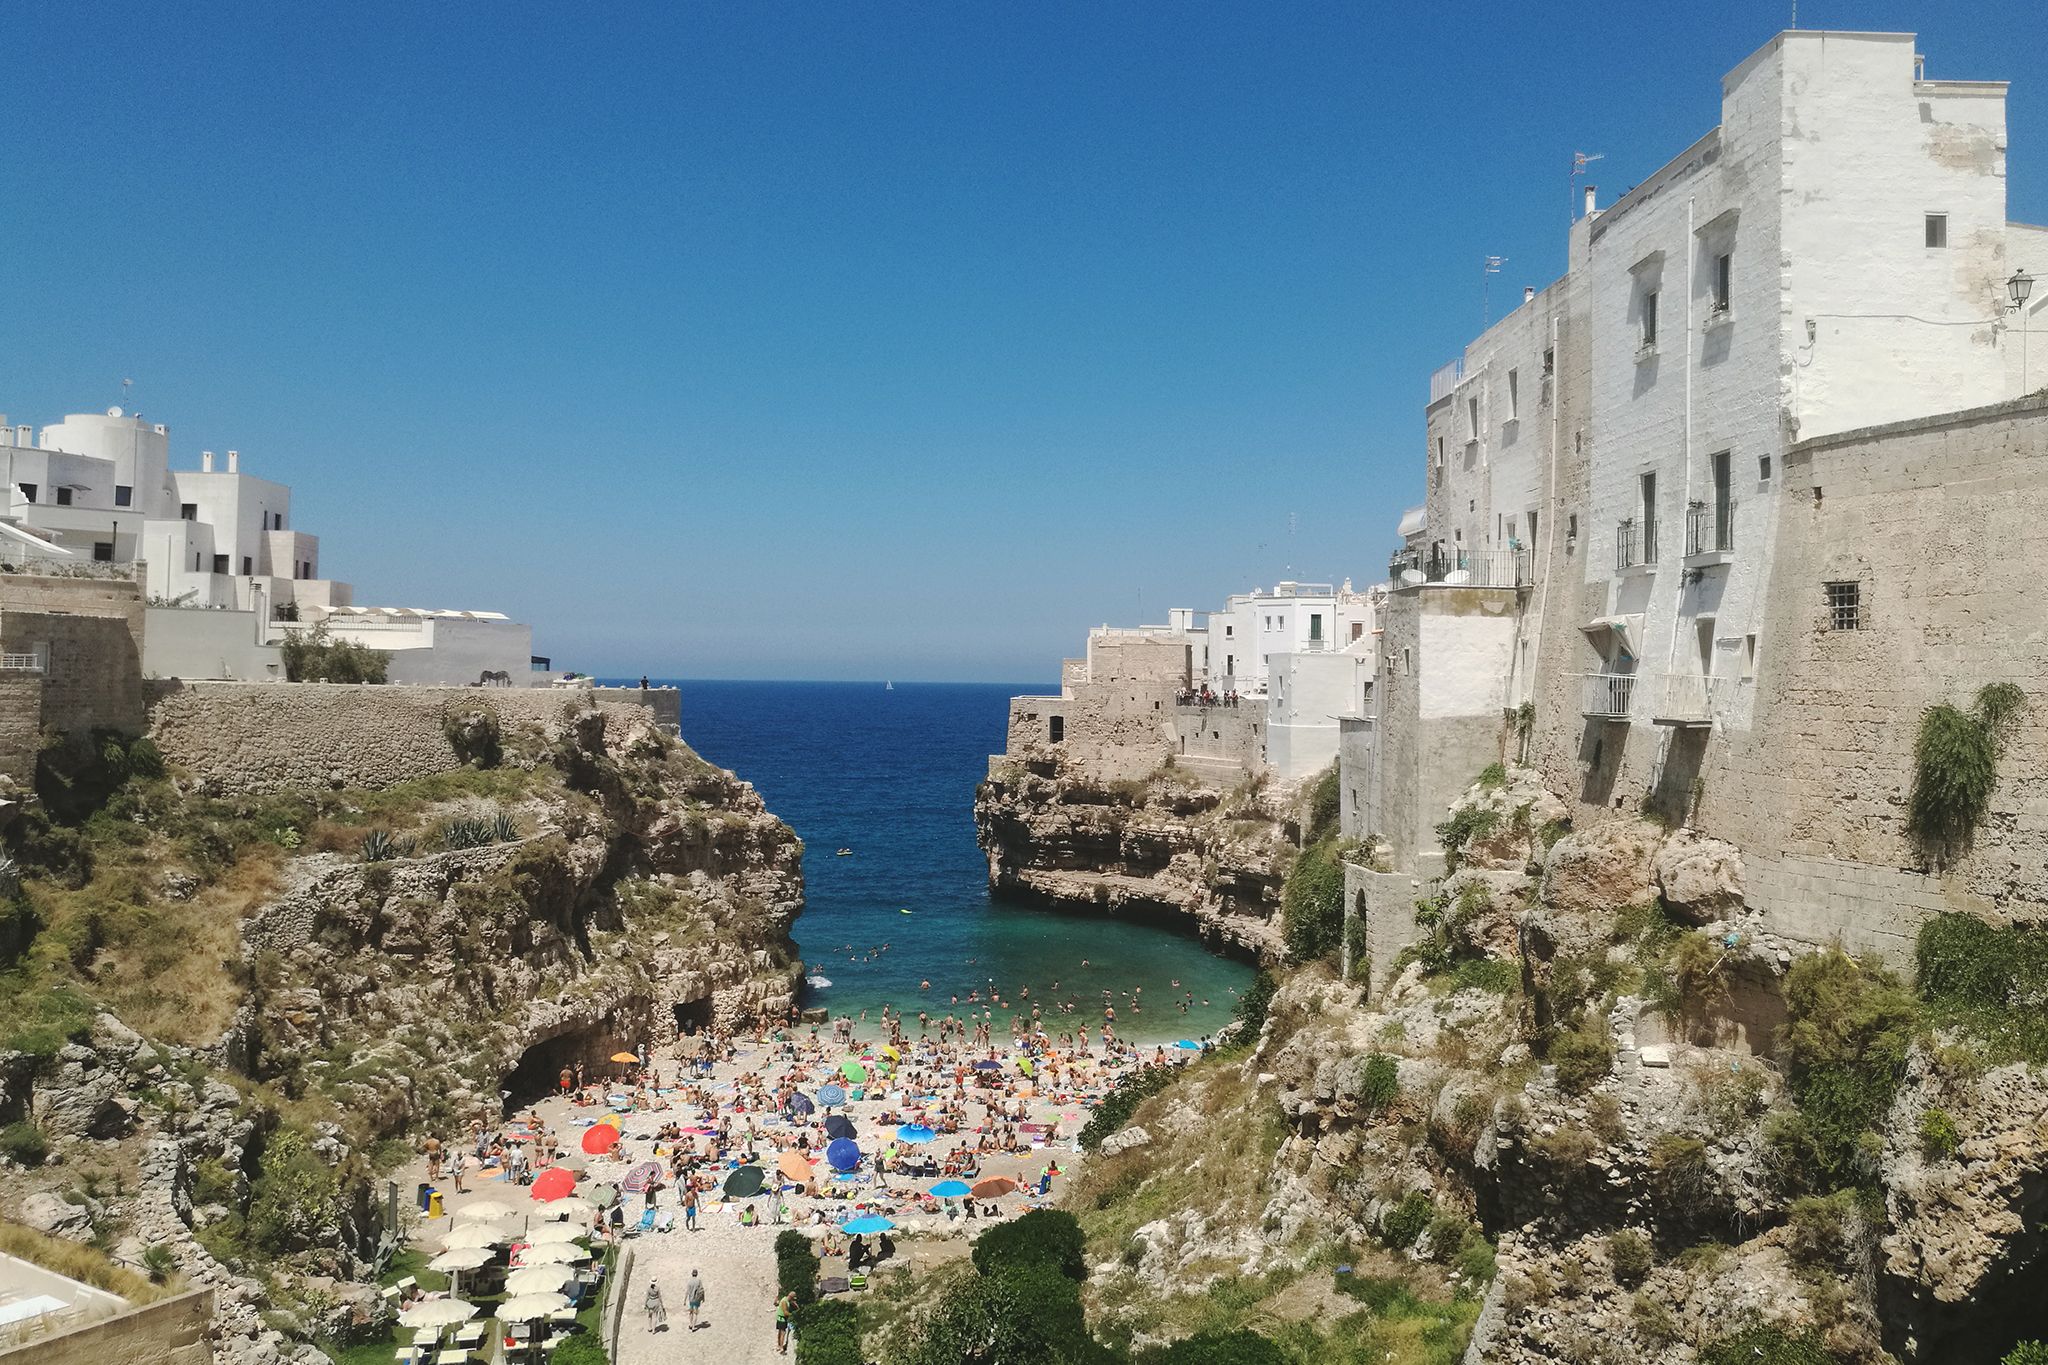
<point x="83" y="1263"/>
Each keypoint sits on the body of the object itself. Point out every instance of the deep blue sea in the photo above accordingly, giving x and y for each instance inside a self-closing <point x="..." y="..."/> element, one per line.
<point x="891" y="776"/>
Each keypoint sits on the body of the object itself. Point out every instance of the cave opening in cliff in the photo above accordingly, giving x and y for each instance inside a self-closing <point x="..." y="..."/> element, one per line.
<point x="692" y="1016"/>
<point x="539" y="1070"/>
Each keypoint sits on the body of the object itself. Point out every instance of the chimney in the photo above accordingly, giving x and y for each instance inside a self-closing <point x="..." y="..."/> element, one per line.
<point x="234" y="462"/>
<point x="1528" y="294"/>
<point x="1591" y="190"/>
<point x="206" y="462"/>
<point x="24" y="435"/>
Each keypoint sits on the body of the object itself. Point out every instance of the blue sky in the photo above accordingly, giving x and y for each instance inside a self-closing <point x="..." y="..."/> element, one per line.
<point x="840" y="341"/>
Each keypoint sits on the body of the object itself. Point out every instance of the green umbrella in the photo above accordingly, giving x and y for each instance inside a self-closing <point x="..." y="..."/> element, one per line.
<point x="744" y="1182"/>
<point x="853" y="1071"/>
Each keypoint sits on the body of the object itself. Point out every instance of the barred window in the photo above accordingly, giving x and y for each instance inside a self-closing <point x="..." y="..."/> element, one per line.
<point x="1845" y="606"/>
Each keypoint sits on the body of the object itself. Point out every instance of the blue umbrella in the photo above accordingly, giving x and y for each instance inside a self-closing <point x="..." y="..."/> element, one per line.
<point x="831" y="1095"/>
<point x="801" y="1104"/>
<point x="988" y="1066"/>
<point x="861" y="1227"/>
<point x="914" y="1132"/>
<point x="838" y="1126"/>
<point x="843" y="1155"/>
<point x="950" y="1189"/>
<point x="1186" y="1046"/>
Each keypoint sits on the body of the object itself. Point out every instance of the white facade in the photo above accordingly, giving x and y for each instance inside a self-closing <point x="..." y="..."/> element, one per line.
<point x="1307" y="696"/>
<point x="1294" y="618"/>
<point x="442" y="648"/>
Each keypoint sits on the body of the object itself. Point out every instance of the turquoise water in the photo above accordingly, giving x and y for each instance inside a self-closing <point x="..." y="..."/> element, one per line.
<point x="891" y="776"/>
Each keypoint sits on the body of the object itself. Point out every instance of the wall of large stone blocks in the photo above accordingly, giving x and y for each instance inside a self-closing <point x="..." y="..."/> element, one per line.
<point x="1230" y="734"/>
<point x="21" y="733"/>
<point x="170" y="1332"/>
<point x="1386" y="902"/>
<point x="89" y="632"/>
<point x="260" y="737"/>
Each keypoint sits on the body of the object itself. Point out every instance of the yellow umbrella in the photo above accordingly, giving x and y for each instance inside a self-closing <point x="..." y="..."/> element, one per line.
<point x="891" y="1053"/>
<point x="625" y="1056"/>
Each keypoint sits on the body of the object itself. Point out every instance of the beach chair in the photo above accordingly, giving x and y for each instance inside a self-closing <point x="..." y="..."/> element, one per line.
<point x="391" y="1295"/>
<point x="406" y="1286"/>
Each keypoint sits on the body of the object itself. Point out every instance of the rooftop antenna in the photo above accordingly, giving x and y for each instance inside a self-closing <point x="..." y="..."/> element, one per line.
<point x="1580" y="161"/>
<point x="1293" y="522"/>
<point x="126" y="384"/>
<point x="1487" y="271"/>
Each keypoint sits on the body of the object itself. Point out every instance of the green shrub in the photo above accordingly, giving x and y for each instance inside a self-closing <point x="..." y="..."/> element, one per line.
<point x="2027" y="1353"/>
<point x="1767" y="1346"/>
<point x="1628" y="1251"/>
<point x="1991" y="981"/>
<point x="1115" y="1109"/>
<point x="1050" y="1237"/>
<point x="1681" y="1173"/>
<point x="476" y="735"/>
<point x="295" y="1200"/>
<point x="315" y="656"/>
<point x="1495" y="974"/>
<point x="827" y="1333"/>
<point x="1312" y="903"/>
<point x="1492" y="777"/>
<point x="1843" y="1048"/>
<point x="1938" y="1136"/>
<point x="1403" y="1224"/>
<point x="1465" y="825"/>
<point x="583" y="1348"/>
<point x="1242" y="1347"/>
<point x="158" y="1262"/>
<point x="1253" y="1005"/>
<point x="1823" y="1230"/>
<point x="1324" y="802"/>
<point x="1582" y="1056"/>
<point x="24" y="1143"/>
<point x="1021" y="1314"/>
<point x="796" y="1267"/>
<point x="1955" y="767"/>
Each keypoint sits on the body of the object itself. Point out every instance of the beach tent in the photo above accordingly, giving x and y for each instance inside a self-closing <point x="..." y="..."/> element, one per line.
<point x="988" y="1064"/>
<point x="484" y="1211"/>
<point x="529" y="1307"/>
<point x="843" y="1155"/>
<point x="801" y="1104"/>
<point x="853" y="1071"/>
<point x="626" y="1058"/>
<point x="555" y="1232"/>
<point x="839" y="1126"/>
<point x="468" y="1235"/>
<point x="538" y="1279"/>
<point x="461" y="1258"/>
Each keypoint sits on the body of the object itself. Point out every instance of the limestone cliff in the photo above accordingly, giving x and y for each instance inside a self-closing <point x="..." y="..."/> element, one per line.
<point x="398" y="960"/>
<point x="1174" y="846"/>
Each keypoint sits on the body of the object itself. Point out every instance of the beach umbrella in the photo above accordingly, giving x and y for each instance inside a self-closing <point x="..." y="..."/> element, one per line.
<point x="891" y="1053"/>
<point x="951" y="1189"/>
<point x="1188" y="1045"/>
<point x="555" y="1232"/>
<point x="599" y="1139"/>
<point x="793" y="1167"/>
<point x="569" y="1208"/>
<point x="914" y="1132"/>
<point x="838" y="1126"/>
<point x="853" y="1071"/>
<point x="643" y="1174"/>
<point x="529" y="1307"/>
<point x="830" y="1096"/>
<point x="437" y="1313"/>
<point x="538" y="1279"/>
<point x="801" y="1104"/>
<point x="461" y="1258"/>
<point x="553" y="1183"/>
<point x="993" y="1186"/>
<point x="626" y="1058"/>
<point x="861" y="1227"/>
<point x="469" y="1236"/>
<point x="1024" y="1065"/>
<point x="988" y="1064"/>
<point x="553" y="1253"/>
<point x="744" y="1183"/>
<point x="843" y="1155"/>
<point x="484" y="1211"/>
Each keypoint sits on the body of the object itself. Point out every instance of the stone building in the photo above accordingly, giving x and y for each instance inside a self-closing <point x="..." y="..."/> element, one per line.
<point x="70" y="659"/>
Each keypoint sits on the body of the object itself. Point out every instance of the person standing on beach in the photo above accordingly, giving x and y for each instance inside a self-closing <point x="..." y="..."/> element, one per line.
<point x="690" y="1206"/>
<point x="657" y="1314"/>
<point x="785" y="1307"/>
<point x="693" y="1301"/>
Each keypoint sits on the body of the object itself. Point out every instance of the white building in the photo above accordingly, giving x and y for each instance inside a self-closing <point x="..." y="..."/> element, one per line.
<point x="1294" y="618"/>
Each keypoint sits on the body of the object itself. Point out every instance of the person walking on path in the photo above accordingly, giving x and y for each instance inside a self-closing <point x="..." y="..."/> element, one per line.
<point x="657" y="1313"/>
<point x="693" y="1301"/>
<point x="785" y="1308"/>
<point x="690" y="1208"/>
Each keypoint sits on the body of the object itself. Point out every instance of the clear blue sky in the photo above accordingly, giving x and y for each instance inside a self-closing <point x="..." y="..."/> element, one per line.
<point x="831" y="340"/>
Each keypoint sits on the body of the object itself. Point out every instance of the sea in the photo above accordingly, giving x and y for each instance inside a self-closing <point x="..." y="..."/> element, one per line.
<point x="904" y="917"/>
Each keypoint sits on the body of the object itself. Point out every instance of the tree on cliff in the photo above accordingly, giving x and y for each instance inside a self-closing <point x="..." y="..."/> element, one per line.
<point x="314" y="656"/>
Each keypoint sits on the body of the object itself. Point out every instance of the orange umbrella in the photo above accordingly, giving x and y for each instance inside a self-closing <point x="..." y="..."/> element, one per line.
<point x="600" y="1139"/>
<point x="626" y="1057"/>
<point x="993" y="1186"/>
<point x="553" y="1183"/>
<point x="794" y="1167"/>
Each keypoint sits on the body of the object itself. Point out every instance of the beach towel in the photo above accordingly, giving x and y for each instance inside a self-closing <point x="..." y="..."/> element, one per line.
<point x="665" y="1221"/>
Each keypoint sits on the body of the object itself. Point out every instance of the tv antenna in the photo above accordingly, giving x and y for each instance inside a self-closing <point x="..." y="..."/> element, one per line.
<point x="1487" y="270"/>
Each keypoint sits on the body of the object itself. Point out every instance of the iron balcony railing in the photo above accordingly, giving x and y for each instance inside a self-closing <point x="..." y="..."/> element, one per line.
<point x="20" y="663"/>
<point x="1607" y="695"/>
<point x="1635" y="543"/>
<point x="1510" y="568"/>
<point x="1710" y="527"/>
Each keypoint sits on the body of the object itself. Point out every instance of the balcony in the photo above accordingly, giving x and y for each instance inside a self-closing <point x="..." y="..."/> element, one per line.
<point x="1635" y="545"/>
<point x="21" y="663"/>
<point x="1606" y="696"/>
<point x="1510" y="568"/>
<point x="1709" y="533"/>
<point x="1685" y="700"/>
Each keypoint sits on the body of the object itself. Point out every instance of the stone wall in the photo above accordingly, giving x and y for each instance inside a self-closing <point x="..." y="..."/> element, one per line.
<point x="88" y="632"/>
<point x="172" y="1331"/>
<point x="1386" y="900"/>
<point x="257" y="737"/>
<point x="21" y="706"/>
<point x="1235" y="735"/>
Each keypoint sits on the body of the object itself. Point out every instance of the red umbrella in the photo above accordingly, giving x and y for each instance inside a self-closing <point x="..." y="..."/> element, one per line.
<point x="600" y="1139"/>
<point x="553" y="1183"/>
<point x="993" y="1187"/>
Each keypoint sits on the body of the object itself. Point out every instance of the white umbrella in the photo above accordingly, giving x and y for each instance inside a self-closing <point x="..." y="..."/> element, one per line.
<point x="437" y="1313"/>
<point x="461" y="1258"/>
<point x="484" y="1211"/>
<point x="538" y="1279"/>
<point x="553" y="1253"/>
<point x="570" y="1207"/>
<point x="530" y="1307"/>
<point x="555" y="1232"/>
<point x="474" y="1235"/>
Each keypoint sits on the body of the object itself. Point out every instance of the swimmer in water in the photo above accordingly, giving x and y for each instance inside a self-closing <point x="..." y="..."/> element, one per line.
<point x="924" y="985"/>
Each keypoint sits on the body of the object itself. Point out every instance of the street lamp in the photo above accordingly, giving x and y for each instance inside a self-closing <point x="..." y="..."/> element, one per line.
<point x="2019" y="287"/>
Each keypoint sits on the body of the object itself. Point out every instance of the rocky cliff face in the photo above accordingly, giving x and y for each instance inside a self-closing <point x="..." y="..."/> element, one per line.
<point x="626" y="889"/>
<point x="1171" y="846"/>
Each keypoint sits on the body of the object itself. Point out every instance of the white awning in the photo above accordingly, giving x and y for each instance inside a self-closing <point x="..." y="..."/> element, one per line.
<point x="1412" y="522"/>
<point x="1627" y="631"/>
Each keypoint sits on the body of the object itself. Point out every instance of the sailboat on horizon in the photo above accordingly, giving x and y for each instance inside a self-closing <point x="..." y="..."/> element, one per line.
<point x="888" y="687"/>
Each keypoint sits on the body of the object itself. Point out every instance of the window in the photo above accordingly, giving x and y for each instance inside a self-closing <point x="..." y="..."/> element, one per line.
<point x="1845" y="606"/>
<point x="1057" y="728"/>
<point x="189" y="511"/>
<point x="28" y="491"/>
<point x="1723" y="281"/>
<point x="1571" y="528"/>
<point x="1649" y="319"/>
<point x="1937" y="230"/>
<point x="248" y="566"/>
<point x="1315" y="625"/>
<point x="1472" y="418"/>
<point x="1749" y="656"/>
<point x="1649" y="519"/>
<point x="1229" y="631"/>
<point x="63" y="496"/>
<point x="1514" y="395"/>
<point x="1549" y="361"/>
<point x="220" y="563"/>
<point x="103" y="551"/>
<point x="1763" y="468"/>
<point x="123" y="495"/>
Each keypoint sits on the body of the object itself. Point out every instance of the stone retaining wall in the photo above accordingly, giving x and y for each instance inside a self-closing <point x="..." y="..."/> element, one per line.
<point x="171" y="1331"/>
<point x="264" y="737"/>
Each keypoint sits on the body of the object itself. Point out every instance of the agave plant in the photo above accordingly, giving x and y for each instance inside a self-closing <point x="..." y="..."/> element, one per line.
<point x="379" y="846"/>
<point x="502" y="828"/>
<point x="466" y="831"/>
<point x="10" y="876"/>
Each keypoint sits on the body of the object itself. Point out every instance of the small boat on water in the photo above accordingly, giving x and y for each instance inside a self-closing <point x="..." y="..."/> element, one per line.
<point x="844" y="853"/>
<point x="818" y="982"/>
<point x="888" y="687"/>
<point x="906" y="912"/>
